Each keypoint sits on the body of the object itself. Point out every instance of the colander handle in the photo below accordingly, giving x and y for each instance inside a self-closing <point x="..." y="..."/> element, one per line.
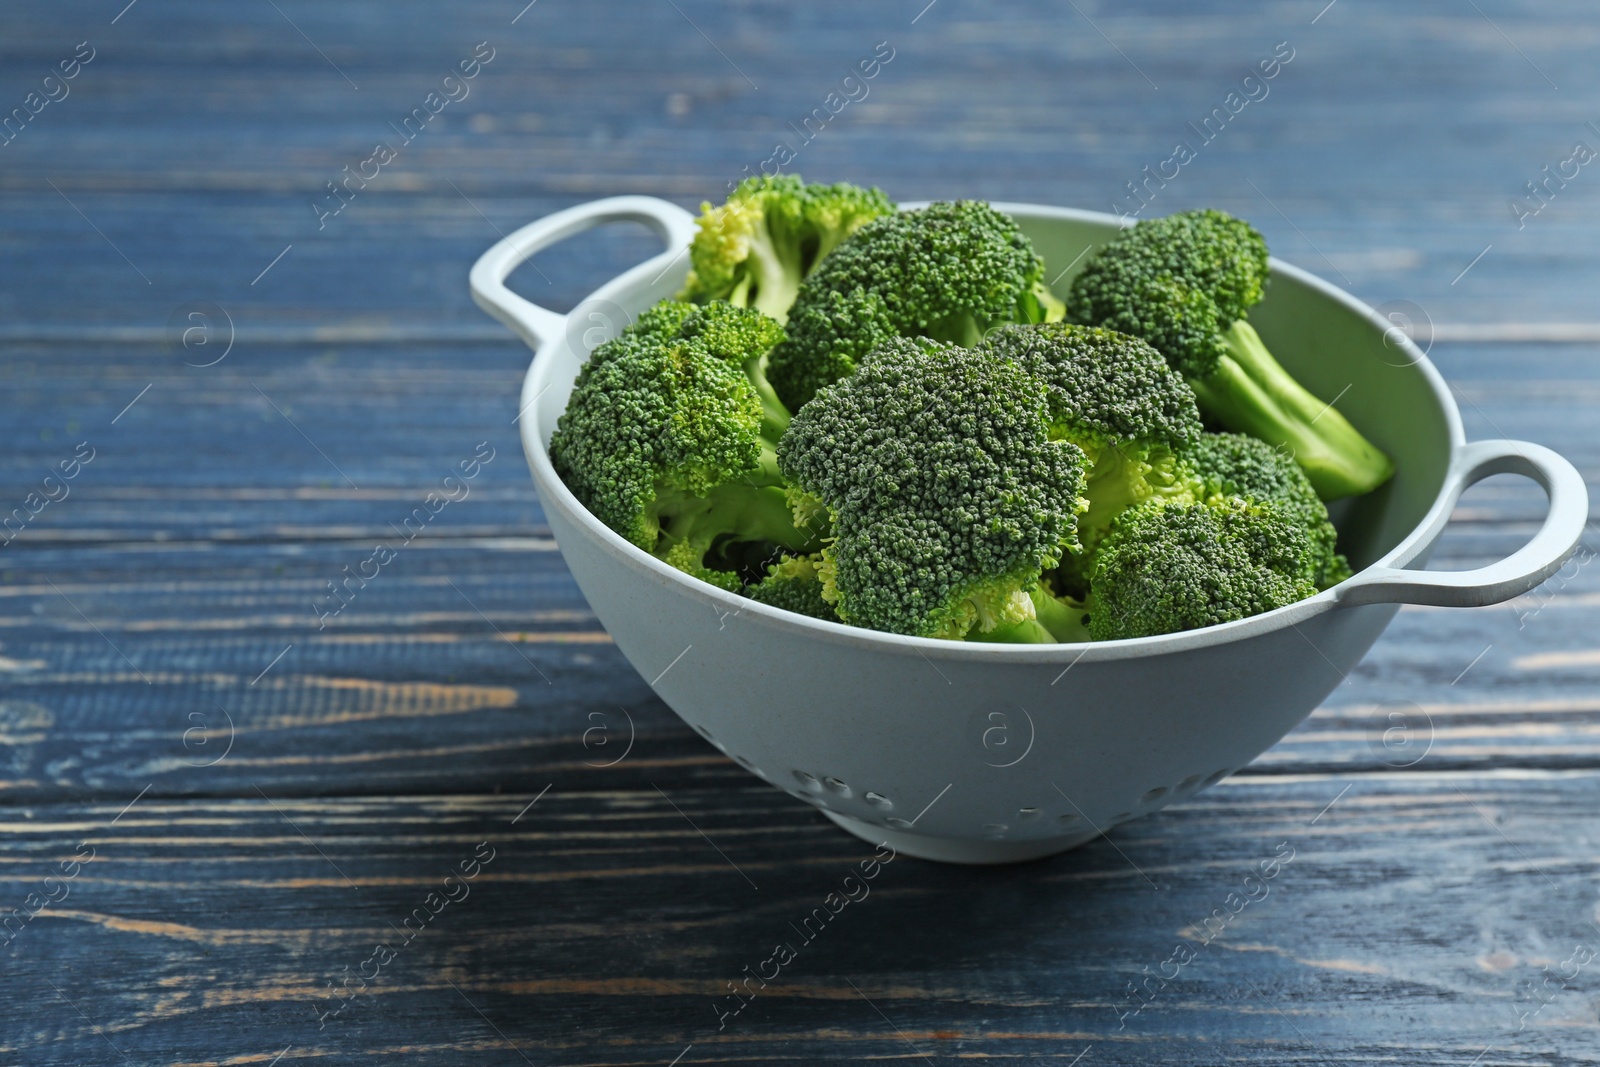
<point x="1519" y="572"/>
<point x="528" y="320"/>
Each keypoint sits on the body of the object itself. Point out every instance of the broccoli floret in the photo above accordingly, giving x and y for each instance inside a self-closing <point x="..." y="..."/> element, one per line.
<point x="946" y="495"/>
<point x="1231" y="464"/>
<point x="1103" y="387"/>
<point x="1114" y="397"/>
<point x="662" y="438"/>
<point x="949" y="271"/>
<point x="755" y="248"/>
<point x="1167" y="567"/>
<point x="794" y="585"/>
<point x="1184" y="283"/>
<point x="744" y="337"/>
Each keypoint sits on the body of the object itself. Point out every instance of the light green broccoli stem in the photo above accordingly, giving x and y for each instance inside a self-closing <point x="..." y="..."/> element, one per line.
<point x="1044" y="305"/>
<point x="774" y="416"/>
<point x="1037" y="305"/>
<point x="828" y="239"/>
<point x="766" y="472"/>
<point x="1251" y="393"/>
<point x="1026" y="632"/>
<point x="1055" y="621"/>
<point x="961" y="329"/>
<point x="776" y="272"/>
<point x="1119" y="481"/>
<point x="742" y="511"/>
<point x="1062" y="616"/>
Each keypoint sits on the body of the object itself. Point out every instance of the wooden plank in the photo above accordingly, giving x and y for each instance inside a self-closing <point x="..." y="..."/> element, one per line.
<point x="1408" y="919"/>
<point x="202" y="171"/>
<point x="262" y="445"/>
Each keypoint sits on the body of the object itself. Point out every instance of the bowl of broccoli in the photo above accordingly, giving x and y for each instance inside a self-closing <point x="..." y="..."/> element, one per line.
<point x="986" y="527"/>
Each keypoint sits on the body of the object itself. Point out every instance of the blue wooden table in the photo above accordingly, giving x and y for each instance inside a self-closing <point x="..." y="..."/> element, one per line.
<point x="241" y="828"/>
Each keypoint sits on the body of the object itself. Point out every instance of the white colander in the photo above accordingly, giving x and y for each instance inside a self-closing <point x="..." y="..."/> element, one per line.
<point x="978" y="753"/>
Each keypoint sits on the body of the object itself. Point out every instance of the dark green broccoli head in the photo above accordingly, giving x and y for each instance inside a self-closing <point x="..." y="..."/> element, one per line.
<point x="1115" y="397"/>
<point x="755" y="248"/>
<point x="663" y="415"/>
<point x="948" y="271"/>
<point x="836" y="328"/>
<point x="1167" y="567"/>
<point x="794" y="584"/>
<point x="1103" y="387"/>
<point x="1177" y="282"/>
<point x="947" y="496"/>
<point x="1232" y="464"/>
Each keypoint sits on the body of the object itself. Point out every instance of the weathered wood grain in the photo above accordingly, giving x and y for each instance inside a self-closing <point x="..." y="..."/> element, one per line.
<point x="291" y="810"/>
<point x="609" y="921"/>
<point x="1392" y="143"/>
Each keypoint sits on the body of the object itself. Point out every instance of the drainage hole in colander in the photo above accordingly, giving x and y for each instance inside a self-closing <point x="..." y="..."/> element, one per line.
<point x="1216" y="776"/>
<point x="1071" y="818"/>
<point x="703" y="732"/>
<point x="741" y="761"/>
<point x="994" y="829"/>
<point x="878" y="800"/>
<point x="898" y="823"/>
<point x="836" y="786"/>
<point x="807" y="781"/>
<point x="1154" y="795"/>
<point x="1027" y="813"/>
<point x="1189" y="782"/>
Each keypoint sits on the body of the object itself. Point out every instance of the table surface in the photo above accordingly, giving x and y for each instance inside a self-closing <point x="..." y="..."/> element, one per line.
<point x="214" y="810"/>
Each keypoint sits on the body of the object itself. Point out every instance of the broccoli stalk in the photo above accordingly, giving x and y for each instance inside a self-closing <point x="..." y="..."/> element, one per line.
<point x="1056" y="620"/>
<point x="773" y="268"/>
<point x="1251" y="393"/>
<point x="774" y="416"/>
<point x="966" y="328"/>
<point x="1184" y="283"/>
<point x="692" y="526"/>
